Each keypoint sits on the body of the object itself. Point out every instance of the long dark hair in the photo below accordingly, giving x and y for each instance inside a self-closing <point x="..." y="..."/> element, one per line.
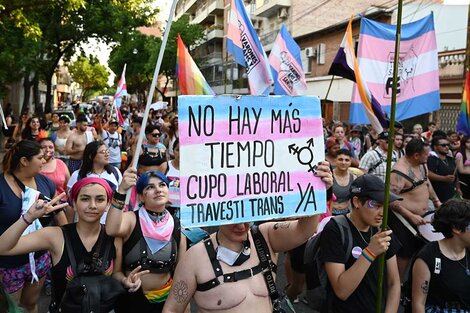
<point x="462" y="148"/>
<point x="26" y="133"/>
<point x="89" y="154"/>
<point x="24" y="148"/>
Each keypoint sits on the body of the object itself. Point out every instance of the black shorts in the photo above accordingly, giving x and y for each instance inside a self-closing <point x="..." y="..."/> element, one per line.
<point x="137" y="302"/>
<point x="297" y="258"/>
<point x="410" y="244"/>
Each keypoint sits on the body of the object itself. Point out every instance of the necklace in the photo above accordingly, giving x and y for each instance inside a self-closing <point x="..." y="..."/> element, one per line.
<point x="362" y="237"/>
<point x="157" y="217"/>
<point x="467" y="270"/>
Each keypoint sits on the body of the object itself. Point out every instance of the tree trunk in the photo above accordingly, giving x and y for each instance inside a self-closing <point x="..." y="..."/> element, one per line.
<point x="27" y="92"/>
<point x="37" y="99"/>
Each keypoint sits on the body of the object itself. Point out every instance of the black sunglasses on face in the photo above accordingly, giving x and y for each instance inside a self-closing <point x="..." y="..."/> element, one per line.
<point x="155" y="135"/>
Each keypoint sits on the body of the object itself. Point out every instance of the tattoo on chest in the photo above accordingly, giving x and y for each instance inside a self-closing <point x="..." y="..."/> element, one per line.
<point x="180" y="291"/>
<point x="411" y="174"/>
<point x="425" y="287"/>
<point x="281" y="225"/>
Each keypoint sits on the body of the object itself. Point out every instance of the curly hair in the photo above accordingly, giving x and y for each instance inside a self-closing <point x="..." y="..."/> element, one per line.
<point x="454" y="214"/>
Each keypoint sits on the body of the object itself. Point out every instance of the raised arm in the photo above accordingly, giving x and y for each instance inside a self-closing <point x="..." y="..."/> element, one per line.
<point x="284" y="236"/>
<point x="13" y="243"/>
<point x="345" y="282"/>
<point x="119" y="224"/>
<point x="184" y="285"/>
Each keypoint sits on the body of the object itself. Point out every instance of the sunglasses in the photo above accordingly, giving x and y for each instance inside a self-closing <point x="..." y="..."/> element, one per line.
<point x="444" y="145"/>
<point x="372" y="204"/>
<point x="155" y="135"/>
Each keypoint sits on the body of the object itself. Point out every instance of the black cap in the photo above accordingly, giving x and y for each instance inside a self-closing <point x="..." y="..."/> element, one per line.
<point x="371" y="187"/>
<point x="383" y="135"/>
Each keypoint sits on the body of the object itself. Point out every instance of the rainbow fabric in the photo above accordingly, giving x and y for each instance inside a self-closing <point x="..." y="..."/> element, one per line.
<point x="190" y="79"/>
<point x="160" y="295"/>
<point x="345" y="65"/>
<point x="243" y="44"/>
<point x="418" y="68"/>
<point x="463" y="122"/>
<point x="286" y="65"/>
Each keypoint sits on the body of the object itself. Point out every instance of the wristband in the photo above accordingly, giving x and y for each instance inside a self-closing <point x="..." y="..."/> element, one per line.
<point x="117" y="204"/>
<point x="25" y="220"/>
<point x="119" y="196"/>
<point x="368" y="255"/>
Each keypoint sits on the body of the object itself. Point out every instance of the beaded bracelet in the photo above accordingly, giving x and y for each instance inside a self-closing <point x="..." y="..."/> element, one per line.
<point x="25" y="220"/>
<point x="368" y="255"/>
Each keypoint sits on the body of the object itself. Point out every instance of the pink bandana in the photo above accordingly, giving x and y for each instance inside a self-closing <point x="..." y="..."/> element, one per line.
<point x="156" y="234"/>
<point x="86" y="181"/>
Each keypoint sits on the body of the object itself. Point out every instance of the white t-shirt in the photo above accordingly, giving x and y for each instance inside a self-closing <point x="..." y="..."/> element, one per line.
<point x="109" y="177"/>
<point x="114" y="144"/>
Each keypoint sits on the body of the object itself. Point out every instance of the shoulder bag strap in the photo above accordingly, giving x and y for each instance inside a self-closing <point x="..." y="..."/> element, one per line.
<point x="265" y="259"/>
<point x="70" y="254"/>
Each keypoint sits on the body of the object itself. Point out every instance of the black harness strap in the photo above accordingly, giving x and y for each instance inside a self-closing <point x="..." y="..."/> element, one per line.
<point x="227" y="278"/>
<point x="414" y="183"/>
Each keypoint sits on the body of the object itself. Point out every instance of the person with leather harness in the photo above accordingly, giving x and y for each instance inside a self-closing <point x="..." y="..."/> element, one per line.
<point x="151" y="239"/>
<point x="409" y="179"/>
<point x="227" y="273"/>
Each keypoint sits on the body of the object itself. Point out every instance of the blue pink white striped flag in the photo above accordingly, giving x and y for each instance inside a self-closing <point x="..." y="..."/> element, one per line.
<point x="121" y="90"/>
<point x="286" y="66"/>
<point x="418" y="85"/>
<point x="243" y="44"/>
<point x="345" y="65"/>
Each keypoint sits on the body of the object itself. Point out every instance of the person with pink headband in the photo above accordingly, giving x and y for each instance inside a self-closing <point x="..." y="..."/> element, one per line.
<point x="90" y="196"/>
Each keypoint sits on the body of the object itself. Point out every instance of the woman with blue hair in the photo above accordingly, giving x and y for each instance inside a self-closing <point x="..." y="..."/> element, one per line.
<point x="151" y="238"/>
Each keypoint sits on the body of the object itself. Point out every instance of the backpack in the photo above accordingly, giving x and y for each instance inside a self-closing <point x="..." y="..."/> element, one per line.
<point x="315" y="264"/>
<point x="90" y="290"/>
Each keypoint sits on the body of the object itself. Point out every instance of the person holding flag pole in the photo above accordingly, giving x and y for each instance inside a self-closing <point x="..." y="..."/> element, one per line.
<point x="346" y="65"/>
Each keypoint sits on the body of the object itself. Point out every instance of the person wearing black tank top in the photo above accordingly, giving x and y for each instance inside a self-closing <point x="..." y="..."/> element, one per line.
<point x="151" y="239"/>
<point x="90" y="196"/>
<point x="441" y="272"/>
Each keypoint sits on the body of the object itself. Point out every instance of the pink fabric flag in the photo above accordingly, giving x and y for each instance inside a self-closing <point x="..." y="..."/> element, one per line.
<point x="243" y="44"/>
<point x="286" y="65"/>
<point x="121" y="91"/>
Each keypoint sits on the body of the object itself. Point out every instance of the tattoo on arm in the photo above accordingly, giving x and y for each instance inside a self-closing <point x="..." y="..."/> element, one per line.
<point x="425" y="287"/>
<point x="180" y="291"/>
<point x="283" y="225"/>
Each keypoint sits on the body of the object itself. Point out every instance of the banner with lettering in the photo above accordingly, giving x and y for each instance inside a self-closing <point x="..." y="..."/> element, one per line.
<point x="249" y="158"/>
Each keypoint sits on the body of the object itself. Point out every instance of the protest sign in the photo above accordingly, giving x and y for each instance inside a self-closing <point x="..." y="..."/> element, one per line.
<point x="249" y="158"/>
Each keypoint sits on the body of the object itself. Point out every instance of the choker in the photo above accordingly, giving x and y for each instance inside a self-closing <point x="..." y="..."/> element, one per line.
<point x="157" y="216"/>
<point x="230" y="257"/>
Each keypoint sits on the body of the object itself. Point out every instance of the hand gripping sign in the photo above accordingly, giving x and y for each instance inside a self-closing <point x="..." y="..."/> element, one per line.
<point x="249" y="158"/>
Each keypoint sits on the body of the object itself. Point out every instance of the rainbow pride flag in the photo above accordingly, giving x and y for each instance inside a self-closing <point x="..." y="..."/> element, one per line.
<point x="463" y="121"/>
<point x="190" y="79"/>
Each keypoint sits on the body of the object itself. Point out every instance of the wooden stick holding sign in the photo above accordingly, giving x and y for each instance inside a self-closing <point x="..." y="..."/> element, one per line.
<point x="135" y="159"/>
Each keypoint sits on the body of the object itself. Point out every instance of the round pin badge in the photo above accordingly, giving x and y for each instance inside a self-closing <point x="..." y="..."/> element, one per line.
<point x="356" y="252"/>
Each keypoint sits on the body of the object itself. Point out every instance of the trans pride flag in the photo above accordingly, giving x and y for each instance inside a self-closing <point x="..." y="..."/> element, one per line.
<point x="345" y="65"/>
<point x="245" y="47"/>
<point x="418" y="72"/>
<point x="190" y="79"/>
<point x="463" y="123"/>
<point x="286" y="66"/>
<point x="121" y="91"/>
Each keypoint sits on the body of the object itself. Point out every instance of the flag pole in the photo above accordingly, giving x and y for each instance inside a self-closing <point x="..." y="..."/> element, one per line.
<point x="391" y="134"/>
<point x="329" y="87"/>
<point x="135" y="159"/>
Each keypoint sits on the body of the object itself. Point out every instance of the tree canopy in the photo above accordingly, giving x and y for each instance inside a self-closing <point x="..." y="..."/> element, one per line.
<point x="90" y="74"/>
<point x="140" y="52"/>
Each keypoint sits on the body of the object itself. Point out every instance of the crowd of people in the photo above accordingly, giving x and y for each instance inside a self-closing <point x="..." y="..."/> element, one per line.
<point x="63" y="216"/>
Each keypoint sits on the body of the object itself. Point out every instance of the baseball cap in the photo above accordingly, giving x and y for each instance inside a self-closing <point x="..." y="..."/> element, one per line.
<point x="114" y="122"/>
<point x="372" y="187"/>
<point x="357" y="128"/>
<point x="383" y="135"/>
